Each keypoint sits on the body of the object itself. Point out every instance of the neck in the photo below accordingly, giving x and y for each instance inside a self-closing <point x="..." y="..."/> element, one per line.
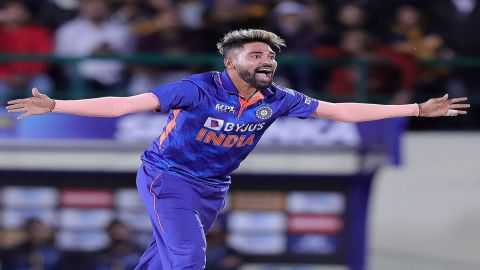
<point x="244" y="88"/>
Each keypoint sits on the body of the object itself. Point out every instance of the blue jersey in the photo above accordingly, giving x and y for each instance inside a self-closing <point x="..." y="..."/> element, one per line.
<point x="211" y="128"/>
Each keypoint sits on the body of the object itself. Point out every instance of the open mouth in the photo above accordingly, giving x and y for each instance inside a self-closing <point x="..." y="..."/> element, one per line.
<point x="264" y="73"/>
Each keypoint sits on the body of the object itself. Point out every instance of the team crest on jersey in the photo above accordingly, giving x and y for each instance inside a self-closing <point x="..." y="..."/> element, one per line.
<point x="264" y="112"/>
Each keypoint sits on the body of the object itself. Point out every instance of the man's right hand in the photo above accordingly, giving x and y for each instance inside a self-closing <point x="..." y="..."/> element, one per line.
<point x="38" y="104"/>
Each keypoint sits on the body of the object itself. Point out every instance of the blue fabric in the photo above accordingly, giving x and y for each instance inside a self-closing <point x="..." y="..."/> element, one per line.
<point x="182" y="94"/>
<point x="208" y="134"/>
<point x="181" y="211"/>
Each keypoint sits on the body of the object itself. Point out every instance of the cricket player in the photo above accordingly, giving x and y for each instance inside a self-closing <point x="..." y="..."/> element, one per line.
<point x="215" y="121"/>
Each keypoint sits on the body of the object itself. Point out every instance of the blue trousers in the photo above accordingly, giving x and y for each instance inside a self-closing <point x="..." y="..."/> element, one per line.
<point x="181" y="211"/>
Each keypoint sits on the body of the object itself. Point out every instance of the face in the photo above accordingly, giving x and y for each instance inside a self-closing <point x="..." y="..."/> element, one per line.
<point x="37" y="232"/>
<point x="408" y="16"/>
<point x="351" y="15"/>
<point x="119" y="232"/>
<point x="95" y="10"/>
<point x="16" y="14"/>
<point x="254" y="63"/>
<point x="160" y="4"/>
<point x="355" y="42"/>
<point x="290" y="24"/>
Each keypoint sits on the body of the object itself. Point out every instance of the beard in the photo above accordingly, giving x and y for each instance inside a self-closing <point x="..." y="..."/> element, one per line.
<point x="251" y="79"/>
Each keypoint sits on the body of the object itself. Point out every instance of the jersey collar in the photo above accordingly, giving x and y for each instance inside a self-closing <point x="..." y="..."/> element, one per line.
<point x="224" y="81"/>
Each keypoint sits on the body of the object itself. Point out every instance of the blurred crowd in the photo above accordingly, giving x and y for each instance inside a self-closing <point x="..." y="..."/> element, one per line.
<point x="393" y="37"/>
<point x="35" y="249"/>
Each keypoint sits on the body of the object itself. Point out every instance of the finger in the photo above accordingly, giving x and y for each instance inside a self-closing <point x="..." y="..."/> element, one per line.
<point x="455" y="100"/>
<point x="36" y="93"/>
<point x="23" y="116"/>
<point x="15" y="106"/>
<point x="461" y="112"/>
<point x="17" y="110"/>
<point x="16" y="101"/>
<point x="459" y="106"/>
<point x="445" y="97"/>
<point x="450" y="113"/>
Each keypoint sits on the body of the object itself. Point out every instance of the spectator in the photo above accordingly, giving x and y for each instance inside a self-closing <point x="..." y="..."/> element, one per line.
<point x="291" y="21"/>
<point x="351" y="16"/>
<point x="148" y="20"/>
<point x="166" y="36"/>
<point x="160" y="4"/>
<point x="319" y="23"/>
<point x="93" y="33"/>
<point x="36" y="251"/>
<point x="225" y="15"/>
<point x="19" y="36"/>
<point x="53" y="13"/>
<point x="396" y="82"/>
<point x="410" y="34"/>
<point x="121" y="253"/>
<point x="191" y="13"/>
<point x="322" y="36"/>
<point x="381" y="13"/>
<point x="219" y="255"/>
<point x="127" y="12"/>
<point x="256" y="14"/>
<point x="458" y="22"/>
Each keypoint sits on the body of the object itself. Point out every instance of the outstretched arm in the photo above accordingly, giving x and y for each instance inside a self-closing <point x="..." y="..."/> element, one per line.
<point x="358" y="112"/>
<point x="99" y="107"/>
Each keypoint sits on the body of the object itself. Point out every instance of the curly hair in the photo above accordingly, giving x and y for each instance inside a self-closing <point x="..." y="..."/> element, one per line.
<point x="235" y="39"/>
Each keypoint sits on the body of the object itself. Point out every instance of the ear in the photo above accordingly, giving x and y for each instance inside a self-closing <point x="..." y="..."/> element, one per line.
<point x="228" y="62"/>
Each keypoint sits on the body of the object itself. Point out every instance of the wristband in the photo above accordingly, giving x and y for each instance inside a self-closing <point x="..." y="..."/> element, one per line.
<point x="54" y="104"/>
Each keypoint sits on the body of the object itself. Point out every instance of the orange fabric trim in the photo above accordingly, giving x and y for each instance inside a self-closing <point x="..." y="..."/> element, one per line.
<point x="154" y="202"/>
<point x="244" y="103"/>
<point x="170" y="126"/>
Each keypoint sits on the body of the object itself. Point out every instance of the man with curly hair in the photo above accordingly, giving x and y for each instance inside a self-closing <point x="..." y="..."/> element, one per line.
<point x="215" y="121"/>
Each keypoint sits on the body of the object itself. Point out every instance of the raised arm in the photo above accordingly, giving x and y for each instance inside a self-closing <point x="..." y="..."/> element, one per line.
<point x="358" y="112"/>
<point x="98" y="107"/>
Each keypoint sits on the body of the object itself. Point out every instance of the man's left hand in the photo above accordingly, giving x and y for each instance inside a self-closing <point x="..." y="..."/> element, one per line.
<point x="443" y="106"/>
